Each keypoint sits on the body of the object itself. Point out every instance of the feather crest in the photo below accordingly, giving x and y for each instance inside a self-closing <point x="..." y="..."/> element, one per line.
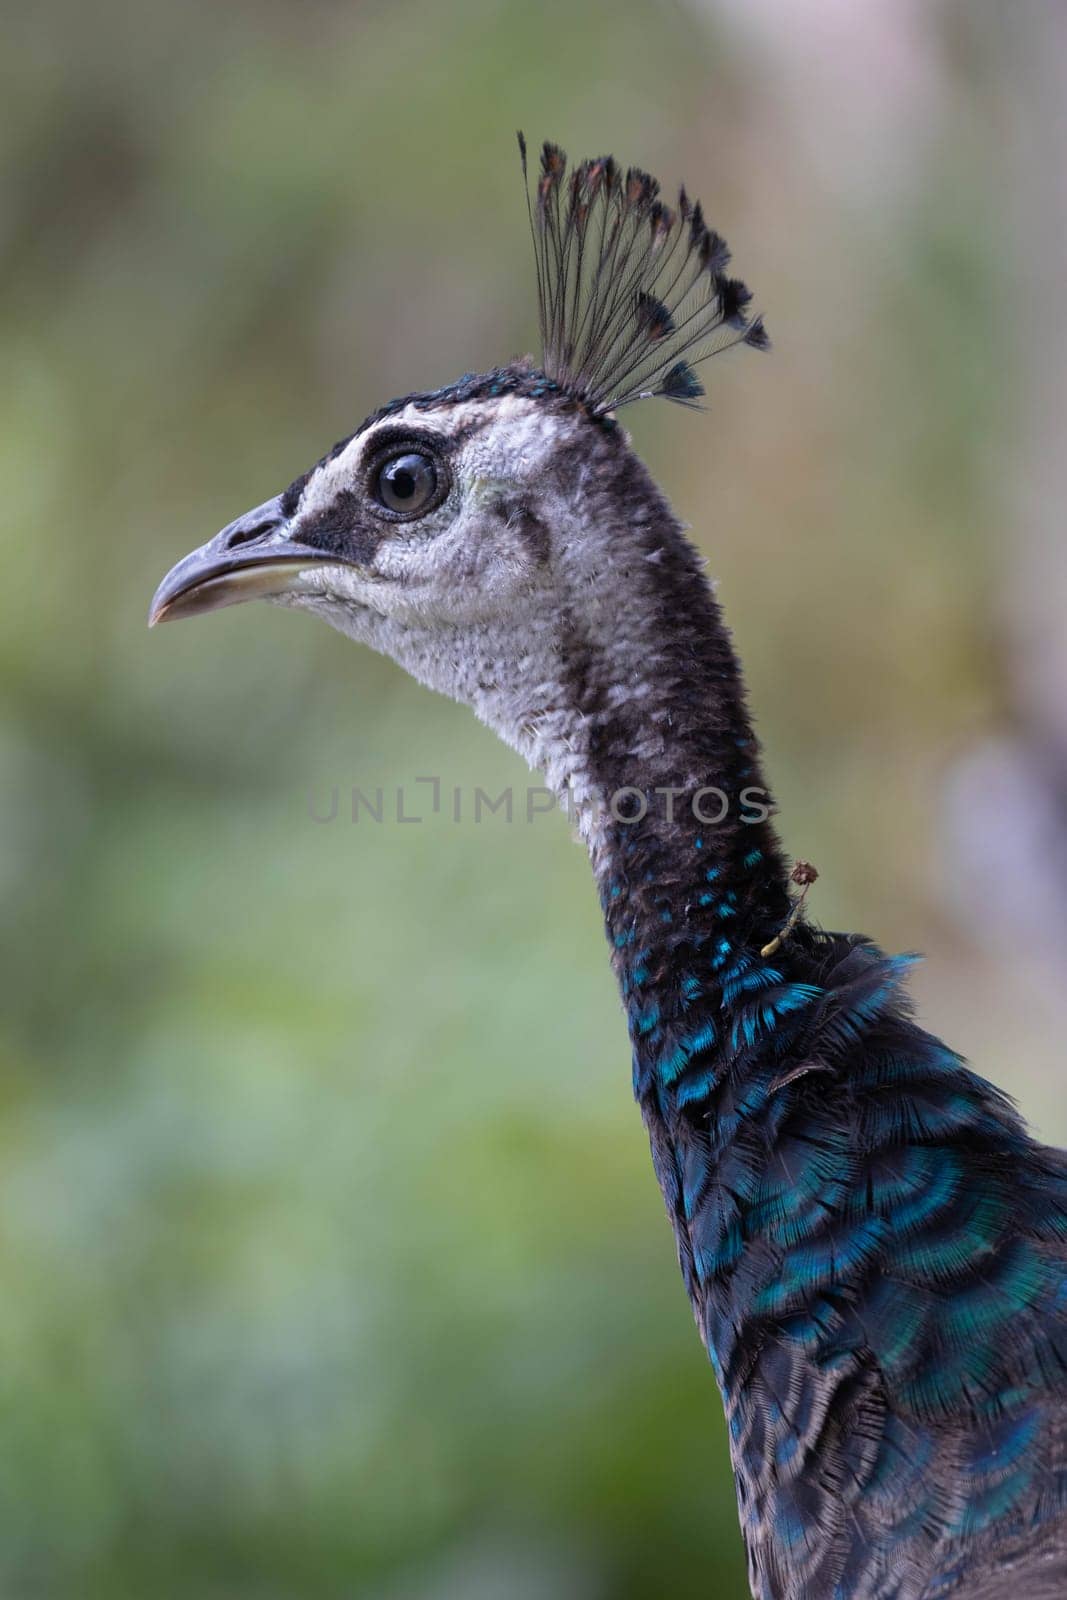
<point x="632" y="293"/>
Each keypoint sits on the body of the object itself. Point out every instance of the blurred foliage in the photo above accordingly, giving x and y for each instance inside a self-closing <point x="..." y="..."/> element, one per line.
<point x="333" y="1260"/>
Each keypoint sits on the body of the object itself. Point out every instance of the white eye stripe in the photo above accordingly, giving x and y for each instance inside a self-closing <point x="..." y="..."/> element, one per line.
<point x="329" y="480"/>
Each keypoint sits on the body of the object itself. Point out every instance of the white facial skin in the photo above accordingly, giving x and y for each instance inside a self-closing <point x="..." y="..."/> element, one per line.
<point x="458" y="565"/>
<point x="474" y="599"/>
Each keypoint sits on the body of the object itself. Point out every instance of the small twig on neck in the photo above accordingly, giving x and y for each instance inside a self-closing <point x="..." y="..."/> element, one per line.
<point x="804" y="874"/>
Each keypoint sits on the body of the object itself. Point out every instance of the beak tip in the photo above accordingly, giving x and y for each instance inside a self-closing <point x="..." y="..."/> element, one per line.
<point x="259" y="564"/>
<point x="157" y="611"/>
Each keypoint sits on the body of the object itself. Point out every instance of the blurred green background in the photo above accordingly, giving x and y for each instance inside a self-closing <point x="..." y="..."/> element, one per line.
<point x="332" y="1259"/>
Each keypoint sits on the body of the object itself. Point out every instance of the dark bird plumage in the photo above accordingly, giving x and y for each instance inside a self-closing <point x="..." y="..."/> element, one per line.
<point x="874" y="1246"/>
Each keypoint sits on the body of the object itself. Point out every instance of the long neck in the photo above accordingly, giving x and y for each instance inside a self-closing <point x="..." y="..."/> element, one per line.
<point x="640" y="721"/>
<point x="644" y="729"/>
<point x="687" y="864"/>
<point x="658" y="745"/>
<point x="791" y="1107"/>
<point x="639" y="718"/>
<point x="688" y="867"/>
<point x="834" y="1175"/>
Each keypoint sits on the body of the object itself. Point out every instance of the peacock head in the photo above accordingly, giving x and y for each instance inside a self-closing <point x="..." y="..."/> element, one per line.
<point x="463" y="531"/>
<point x="434" y="515"/>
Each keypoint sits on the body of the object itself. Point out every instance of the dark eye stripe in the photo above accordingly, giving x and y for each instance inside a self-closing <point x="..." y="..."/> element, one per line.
<point x="343" y="528"/>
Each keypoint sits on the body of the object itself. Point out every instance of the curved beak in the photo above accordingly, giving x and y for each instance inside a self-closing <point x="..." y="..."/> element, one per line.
<point x="252" y="559"/>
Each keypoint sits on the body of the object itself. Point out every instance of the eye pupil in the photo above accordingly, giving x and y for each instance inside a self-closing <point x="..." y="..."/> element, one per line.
<point x="407" y="483"/>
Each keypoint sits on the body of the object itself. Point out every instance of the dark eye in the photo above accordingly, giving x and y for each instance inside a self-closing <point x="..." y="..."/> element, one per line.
<point x="406" y="483"/>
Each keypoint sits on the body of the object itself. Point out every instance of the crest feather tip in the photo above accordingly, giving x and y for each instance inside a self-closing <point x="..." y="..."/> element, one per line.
<point x="632" y="293"/>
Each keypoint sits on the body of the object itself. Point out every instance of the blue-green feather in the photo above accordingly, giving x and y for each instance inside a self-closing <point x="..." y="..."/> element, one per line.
<point x="873" y="1243"/>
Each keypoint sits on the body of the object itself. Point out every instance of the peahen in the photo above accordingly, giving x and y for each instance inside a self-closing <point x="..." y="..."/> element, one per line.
<point x="874" y="1246"/>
